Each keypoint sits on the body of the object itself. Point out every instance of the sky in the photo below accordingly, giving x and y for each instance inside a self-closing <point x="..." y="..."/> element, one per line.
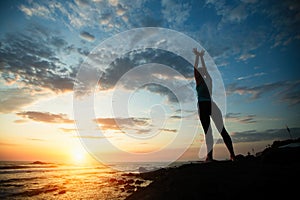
<point x="251" y="46"/>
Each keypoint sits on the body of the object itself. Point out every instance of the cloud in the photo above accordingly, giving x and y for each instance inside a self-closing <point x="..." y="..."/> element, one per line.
<point x="284" y="91"/>
<point x="120" y="10"/>
<point x="285" y="25"/>
<point x="175" y="13"/>
<point x="122" y="65"/>
<point x="176" y="117"/>
<point x="164" y="91"/>
<point x="230" y="13"/>
<point x="254" y="92"/>
<point x="82" y="2"/>
<point x="13" y="99"/>
<point x="120" y="123"/>
<point x="245" y="57"/>
<point x="37" y="10"/>
<point x="8" y="144"/>
<point x="36" y="139"/>
<point x="105" y="18"/>
<point x="270" y="134"/>
<point x="87" y="36"/>
<point x="81" y="13"/>
<point x="113" y="2"/>
<point x="237" y="117"/>
<point x="46" y="117"/>
<point x="68" y="130"/>
<point x="245" y="26"/>
<point x="131" y="125"/>
<point x="31" y="58"/>
<point x="92" y="137"/>
<point x="168" y="130"/>
<point x="251" y="76"/>
<point x="290" y="94"/>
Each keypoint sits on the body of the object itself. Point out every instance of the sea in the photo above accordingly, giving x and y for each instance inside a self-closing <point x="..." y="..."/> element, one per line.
<point x="41" y="180"/>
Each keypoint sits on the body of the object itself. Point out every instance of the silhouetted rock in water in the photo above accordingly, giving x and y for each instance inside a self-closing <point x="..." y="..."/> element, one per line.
<point x="113" y="180"/>
<point x="270" y="175"/>
<point x="62" y="192"/>
<point x="138" y="182"/>
<point x="130" y="181"/>
<point x="129" y="174"/>
<point x="120" y="182"/>
<point x="142" y="169"/>
<point x="39" y="163"/>
<point x="129" y="187"/>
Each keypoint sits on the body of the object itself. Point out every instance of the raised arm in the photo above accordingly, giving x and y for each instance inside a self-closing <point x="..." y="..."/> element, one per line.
<point x="196" y="72"/>
<point x="204" y="69"/>
<point x="197" y="57"/>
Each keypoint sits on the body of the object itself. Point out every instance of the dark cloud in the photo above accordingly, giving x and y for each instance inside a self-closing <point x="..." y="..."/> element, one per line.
<point x="31" y="58"/>
<point x="175" y="117"/>
<point x="58" y="42"/>
<point x="46" y="117"/>
<point x="283" y="91"/>
<point x="133" y="59"/>
<point x="284" y="17"/>
<point x="169" y="130"/>
<point x="87" y="36"/>
<point x="237" y="117"/>
<point x="164" y="91"/>
<point x="290" y="94"/>
<point x="270" y="134"/>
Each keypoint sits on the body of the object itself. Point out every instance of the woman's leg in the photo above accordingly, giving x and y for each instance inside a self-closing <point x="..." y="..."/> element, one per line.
<point x="204" y="110"/>
<point x="218" y="120"/>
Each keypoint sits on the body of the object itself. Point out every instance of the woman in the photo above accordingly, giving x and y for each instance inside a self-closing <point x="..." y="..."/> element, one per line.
<point x="205" y="107"/>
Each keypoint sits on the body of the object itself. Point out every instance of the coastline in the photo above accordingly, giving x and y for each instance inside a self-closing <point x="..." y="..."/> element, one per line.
<point x="272" y="174"/>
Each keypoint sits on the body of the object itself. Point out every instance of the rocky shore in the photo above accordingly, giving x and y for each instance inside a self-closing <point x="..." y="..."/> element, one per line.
<point x="273" y="173"/>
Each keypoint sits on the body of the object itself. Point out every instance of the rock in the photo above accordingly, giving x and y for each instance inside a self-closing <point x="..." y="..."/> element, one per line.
<point x="130" y="181"/>
<point x="120" y="182"/>
<point x="62" y="192"/>
<point x="112" y="180"/>
<point x="142" y="169"/>
<point x="39" y="163"/>
<point x="138" y="182"/>
<point x="129" y="187"/>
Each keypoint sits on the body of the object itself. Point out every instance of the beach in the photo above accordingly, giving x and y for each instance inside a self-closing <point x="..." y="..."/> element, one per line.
<point x="272" y="174"/>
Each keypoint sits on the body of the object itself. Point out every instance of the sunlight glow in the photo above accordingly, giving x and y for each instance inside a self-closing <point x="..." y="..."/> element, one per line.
<point x="78" y="156"/>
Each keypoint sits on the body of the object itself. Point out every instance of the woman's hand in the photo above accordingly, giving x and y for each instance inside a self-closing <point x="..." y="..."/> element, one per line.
<point x="197" y="53"/>
<point x="201" y="53"/>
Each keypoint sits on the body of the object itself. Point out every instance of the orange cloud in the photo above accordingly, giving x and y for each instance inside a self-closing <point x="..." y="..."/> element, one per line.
<point x="119" y="123"/>
<point x="46" y="117"/>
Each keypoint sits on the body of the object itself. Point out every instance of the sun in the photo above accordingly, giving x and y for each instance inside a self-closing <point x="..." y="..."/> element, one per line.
<point x="78" y="156"/>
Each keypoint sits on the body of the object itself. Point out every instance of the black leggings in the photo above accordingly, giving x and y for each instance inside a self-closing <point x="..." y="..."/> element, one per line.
<point x="207" y="109"/>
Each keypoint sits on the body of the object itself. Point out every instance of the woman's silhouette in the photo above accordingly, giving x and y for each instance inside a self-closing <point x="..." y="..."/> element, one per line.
<point x="206" y="105"/>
